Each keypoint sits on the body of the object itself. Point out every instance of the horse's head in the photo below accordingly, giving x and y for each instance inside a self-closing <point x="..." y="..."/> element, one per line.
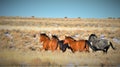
<point x="43" y="37"/>
<point x="92" y="37"/>
<point x="54" y="37"/>
<point x="68" y="39"/>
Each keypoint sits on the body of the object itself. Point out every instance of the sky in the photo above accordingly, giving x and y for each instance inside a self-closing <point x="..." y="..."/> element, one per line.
<point x="61" y="8"/>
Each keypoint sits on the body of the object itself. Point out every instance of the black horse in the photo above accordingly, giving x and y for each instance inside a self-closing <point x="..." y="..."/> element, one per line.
<point x="98" y="44"/>
<point x="61" y="44"/>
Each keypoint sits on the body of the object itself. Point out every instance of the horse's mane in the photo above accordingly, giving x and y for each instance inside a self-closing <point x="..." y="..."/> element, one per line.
<point x="43" y="34"/>
<point x="70" y="38"/>
<point x="92" y="35"/>
<point x="54" y="36"/>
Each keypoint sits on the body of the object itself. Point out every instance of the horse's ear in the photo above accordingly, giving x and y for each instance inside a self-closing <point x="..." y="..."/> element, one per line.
<point x="65" y="36"/>
<point x="52" y="35"/>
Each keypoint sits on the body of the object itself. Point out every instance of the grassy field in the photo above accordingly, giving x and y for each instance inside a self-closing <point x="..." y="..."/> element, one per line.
<point x="21" y="48"/>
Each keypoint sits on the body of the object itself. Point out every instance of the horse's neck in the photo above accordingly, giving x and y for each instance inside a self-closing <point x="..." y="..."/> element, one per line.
<point x="54" y="39"/>
<point x="94" y="39"/>
<point x="71" y="41"/>
<point x="46" y="39"/>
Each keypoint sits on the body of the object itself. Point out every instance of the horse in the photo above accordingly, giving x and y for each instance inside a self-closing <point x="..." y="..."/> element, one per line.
<point x="80" y="45"/>
<point x="53" y="42"/>
<point x="45" y="40"/>
<point x="63" y="46"/>
<point x="99" y="44"/>
<point x="49" y="44"/>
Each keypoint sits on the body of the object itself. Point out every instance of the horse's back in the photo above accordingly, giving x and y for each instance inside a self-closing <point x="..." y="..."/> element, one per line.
<point x="102" y="43"/>
<point x="79" y="45"/>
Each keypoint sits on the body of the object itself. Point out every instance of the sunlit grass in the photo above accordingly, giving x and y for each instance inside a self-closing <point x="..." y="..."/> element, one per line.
<point x="23" y="29"/>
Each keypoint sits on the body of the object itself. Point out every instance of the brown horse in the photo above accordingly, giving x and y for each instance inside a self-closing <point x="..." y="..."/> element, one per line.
<point x="49" y="44"/>
<point x="80" y="45"/>
<point x="53" y="44"/>
<point x="45" y="40"/>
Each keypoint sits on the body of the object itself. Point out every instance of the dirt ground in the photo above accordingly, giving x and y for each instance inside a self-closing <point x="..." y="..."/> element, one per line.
<point x="19" y="47"/>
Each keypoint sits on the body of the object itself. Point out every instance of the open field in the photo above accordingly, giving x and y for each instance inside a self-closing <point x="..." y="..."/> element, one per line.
<point x="21" y="48"/>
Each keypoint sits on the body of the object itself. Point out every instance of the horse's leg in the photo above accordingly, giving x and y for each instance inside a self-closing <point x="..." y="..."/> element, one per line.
<point x="104" y="51"/>
<point x="87" y="51"/>
<point x="64" y="49"/>
<point x="94" y="49"/>
<point x="58" y="48"/>
<point x="50" y="45"/>
<point x="112" y="46"/>
<point x="79" y="46"/>
<point x="87" y="47"/>
<point x="73" y="50"/>
<point x="44" y="47"/>
<point x="53" y="46"/>
<point x="106" y="48"/>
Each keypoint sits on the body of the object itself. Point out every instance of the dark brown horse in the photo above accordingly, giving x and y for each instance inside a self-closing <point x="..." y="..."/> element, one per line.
<point x="80" y="45"/>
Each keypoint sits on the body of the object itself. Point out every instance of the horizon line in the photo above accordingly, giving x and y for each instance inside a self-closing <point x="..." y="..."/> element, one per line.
<point x="63" y="17"/>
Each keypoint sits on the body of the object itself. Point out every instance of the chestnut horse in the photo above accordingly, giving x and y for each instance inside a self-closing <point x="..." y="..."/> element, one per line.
<point x="49" y="44"/>
<point x="80" y="45"/>
<point x="53" y="44"/>
<point x="45" y="40"/>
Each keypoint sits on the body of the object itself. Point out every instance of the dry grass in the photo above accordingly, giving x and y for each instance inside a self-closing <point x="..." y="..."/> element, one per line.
<point x="22" y="49"/>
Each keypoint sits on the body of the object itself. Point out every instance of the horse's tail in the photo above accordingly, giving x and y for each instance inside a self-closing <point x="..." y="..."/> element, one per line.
<point x="89" y="44"/>
<point x="112" y="46"/>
